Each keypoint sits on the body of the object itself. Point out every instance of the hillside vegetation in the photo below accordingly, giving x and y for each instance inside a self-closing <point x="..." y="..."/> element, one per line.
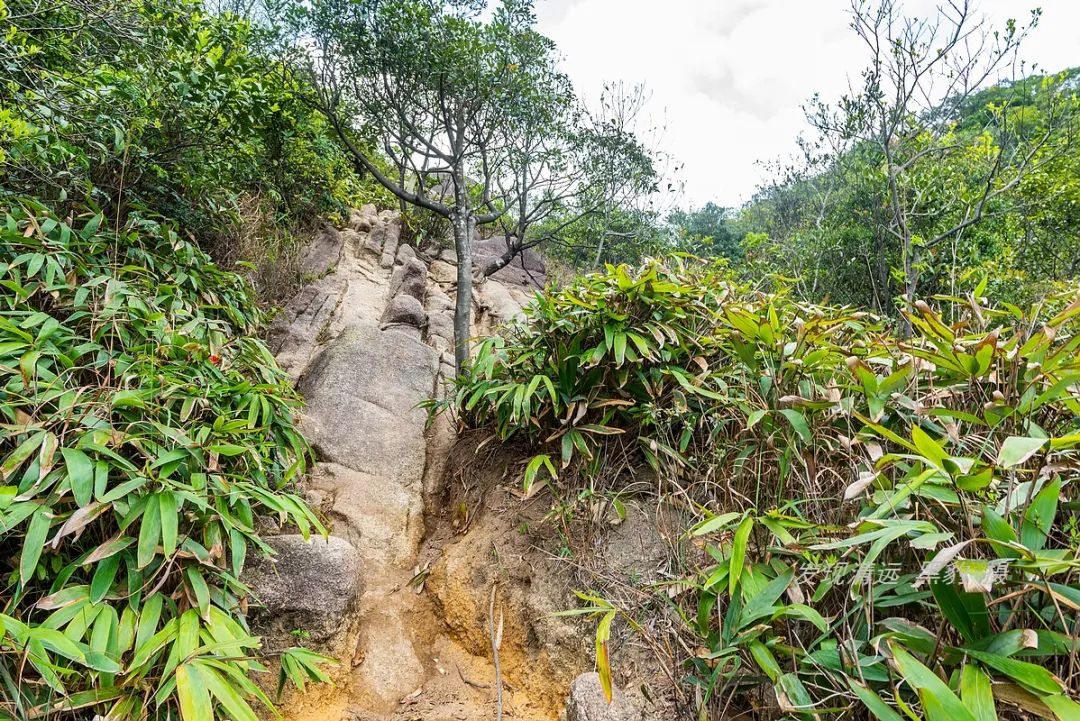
<point x="862" y="388"/>
<point x="889" y="526"/>
<point x="145" y="427"/>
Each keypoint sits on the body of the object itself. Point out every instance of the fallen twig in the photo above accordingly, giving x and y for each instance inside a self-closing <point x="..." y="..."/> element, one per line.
<point x="470" y="682"/>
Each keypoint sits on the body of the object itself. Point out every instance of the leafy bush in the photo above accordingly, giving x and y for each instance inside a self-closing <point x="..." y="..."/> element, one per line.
<point x="165" y="105"/>
<point x="889" y="525"/>
<point x="146" y="429"/>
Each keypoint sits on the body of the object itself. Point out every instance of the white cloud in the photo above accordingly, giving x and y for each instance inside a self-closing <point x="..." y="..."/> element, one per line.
<point x="729" y="77"/>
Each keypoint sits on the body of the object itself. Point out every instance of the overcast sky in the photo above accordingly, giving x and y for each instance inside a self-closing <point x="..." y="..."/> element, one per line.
<point x="729" y="77"/>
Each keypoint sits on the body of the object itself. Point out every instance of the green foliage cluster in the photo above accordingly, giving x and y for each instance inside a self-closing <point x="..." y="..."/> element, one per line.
<point x="167" y="106"/>
<point x="145" y="430"/>
<point x="889" y="527"/>
<point x="988" y="188"/>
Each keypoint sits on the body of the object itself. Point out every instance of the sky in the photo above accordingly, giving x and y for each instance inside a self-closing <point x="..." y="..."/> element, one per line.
<point x="728" y="78"/>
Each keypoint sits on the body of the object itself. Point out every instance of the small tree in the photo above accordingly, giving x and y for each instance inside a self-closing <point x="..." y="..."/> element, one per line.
<point x="939" y="181"/>
<point x="574" y="172"/>
<point x="439" y="92"/>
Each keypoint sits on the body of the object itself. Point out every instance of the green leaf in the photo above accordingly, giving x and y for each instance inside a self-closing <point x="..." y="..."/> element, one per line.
<point x="940" y="702"/>
<point x="34" y="543"/>
<point x="765" y="660"/>
<point x="881" y="710"/>
<point x="169" y="521"/>
<point x="149" y="533"/>
<point x="104" y="575"/>
<point x="1017" y="449"/>
<point x="967" y="612"/>
<point x="80" y="474"/>
<point x="761" y="603"/>
<point x="738" y="552"/>
<point x="1063" y="707"/>
<point x="755" y="417"/>
<point x="997" y="528"/>
<point x="928" y="447"/>
<point x="710" y="525"/>
<point x="798" y="698"/>
<point x="976" y="693"/>
<point x="200" y="589"/>
<point x="23" y="451"/>
<point x="1035" y="678"/>
<point x="798" y="422"/>
<point x="1039" y="516"/>
<point x="193" y="694"/>
<point x="533" y="468"/>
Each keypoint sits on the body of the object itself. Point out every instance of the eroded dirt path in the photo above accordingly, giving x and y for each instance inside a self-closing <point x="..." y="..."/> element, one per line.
<point x="366" y="341"/>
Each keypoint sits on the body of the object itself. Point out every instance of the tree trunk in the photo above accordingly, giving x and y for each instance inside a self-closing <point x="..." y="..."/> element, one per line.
<point x="463" y="230"/>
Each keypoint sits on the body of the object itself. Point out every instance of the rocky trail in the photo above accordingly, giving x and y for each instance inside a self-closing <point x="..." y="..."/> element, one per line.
<point x="366" y="341"/>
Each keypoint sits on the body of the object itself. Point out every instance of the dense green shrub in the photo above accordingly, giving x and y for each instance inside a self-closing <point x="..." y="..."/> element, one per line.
<point x="145" y="430"/>
<point x="890" y="526"/>
<point x="165" y="105"/>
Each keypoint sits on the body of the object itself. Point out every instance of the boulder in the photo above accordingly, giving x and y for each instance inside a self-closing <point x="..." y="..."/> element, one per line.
<point x="442" y="272"/>
<point x="361" y="393"/>
<point x="406" y="310"/>
<point x="437" y="301"/>
<point x="410" y="279"/>
<point x="498" y="301"/>
<point x="526" y="270"/>
<point x="441" y="325"/>
<point x="405" y="253"/>
<point x="310" y="586"/>
<point x="378" y="516"/>
<point x="374" y="242"/>
<point x="586" y="702"/>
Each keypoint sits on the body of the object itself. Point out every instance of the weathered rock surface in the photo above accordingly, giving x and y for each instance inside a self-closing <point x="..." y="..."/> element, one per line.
<point x="367" y="341"/>
<point x="310" y="585"/>
<point x="410" y="278"/>
<point x="443" y="272"/>
<point x="361" y="395"/>
<point x="376" y="515"/>
<point x="297" y="333"/>
<point x="405" y="310"/>
<point x="322" y="254"/>
<point x="525" y="270"/>
<point x="586" y="702"/>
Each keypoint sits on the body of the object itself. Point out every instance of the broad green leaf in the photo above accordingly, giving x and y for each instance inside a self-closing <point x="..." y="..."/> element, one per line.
<point x="798" y="422"/>
<point x="738" y="552"/>
<point x="1039" y="516"/>
<point x="938" y="699"/>
<point x="881" y="710"/>
<point x="149" y="533"/>
<point x="103" y="578"/>
<point x="169" y="521"/>
<point x="710" y="525"/>
<point x="34" y="543"/>
<point x="80" y="474"/>
<point x="1063" y="707"/>
<point x="1035" y="678"/>
<point x="193" y="694"/>
<point x="976" y="693"/>
<point x="928" y="447"/>
<point x="765" y="660"/>
<point x="1017" y="449"/>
